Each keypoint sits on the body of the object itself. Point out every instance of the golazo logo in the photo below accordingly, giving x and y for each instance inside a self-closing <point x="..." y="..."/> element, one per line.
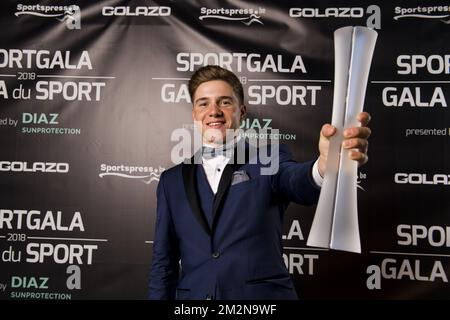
<point x="373" y="12"/>
<point x="145" y="174"/>
<point x="422" y="178"/>
<point x="246" y="16"/>
<point x="138" y="11"/>
<point x="436" y="12"/>
<point x="68" y="14"/>
<point x="47" y="167"/>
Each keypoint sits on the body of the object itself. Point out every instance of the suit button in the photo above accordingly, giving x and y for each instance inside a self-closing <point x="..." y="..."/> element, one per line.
<point x="208" y="297"/>
<point x="216" y="254"/>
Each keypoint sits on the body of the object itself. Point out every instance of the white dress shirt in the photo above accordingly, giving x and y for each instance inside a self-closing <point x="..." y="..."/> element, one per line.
<point x="213" y="170"/>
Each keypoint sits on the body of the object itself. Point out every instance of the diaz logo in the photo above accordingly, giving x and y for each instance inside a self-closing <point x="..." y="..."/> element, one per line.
<point x="246" y="16"/>
<point x="145" y="174"/>
<point x="68" y="14"/>
<point x="436" y="12"/>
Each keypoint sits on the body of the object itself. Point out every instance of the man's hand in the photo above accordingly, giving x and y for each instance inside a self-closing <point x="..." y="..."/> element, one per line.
<point x="354" y="138"/>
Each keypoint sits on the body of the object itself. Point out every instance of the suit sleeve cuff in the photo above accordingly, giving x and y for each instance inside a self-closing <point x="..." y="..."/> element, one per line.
<point x="318" y="179"/>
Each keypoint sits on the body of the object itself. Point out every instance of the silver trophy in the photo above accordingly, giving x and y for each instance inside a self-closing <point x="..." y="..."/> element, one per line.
<point x="335" y="222"/>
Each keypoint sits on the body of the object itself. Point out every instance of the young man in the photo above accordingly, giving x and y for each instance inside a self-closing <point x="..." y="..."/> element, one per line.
<point x="219" y="223"/>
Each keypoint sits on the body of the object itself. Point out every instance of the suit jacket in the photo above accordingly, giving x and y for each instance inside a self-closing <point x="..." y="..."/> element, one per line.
<point x="227" y="245"/>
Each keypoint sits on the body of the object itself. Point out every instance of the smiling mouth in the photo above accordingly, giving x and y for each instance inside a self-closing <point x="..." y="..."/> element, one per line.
<point x="215" y="124"/>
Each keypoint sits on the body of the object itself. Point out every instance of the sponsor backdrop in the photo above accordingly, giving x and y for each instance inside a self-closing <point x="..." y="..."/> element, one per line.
<point x="90" y="94"/>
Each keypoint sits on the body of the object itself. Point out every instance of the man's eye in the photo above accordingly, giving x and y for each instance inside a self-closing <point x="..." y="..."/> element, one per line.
<point x="226" y="102"/>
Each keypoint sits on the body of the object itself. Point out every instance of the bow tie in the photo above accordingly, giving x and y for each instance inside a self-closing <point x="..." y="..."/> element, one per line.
<point x="210" y="153"/>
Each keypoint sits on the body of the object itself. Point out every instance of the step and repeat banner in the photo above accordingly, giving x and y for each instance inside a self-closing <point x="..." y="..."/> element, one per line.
<point x="90" y="93"/>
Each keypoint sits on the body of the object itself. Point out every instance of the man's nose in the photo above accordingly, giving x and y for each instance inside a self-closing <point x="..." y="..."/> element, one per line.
<point x="215" y="110"/>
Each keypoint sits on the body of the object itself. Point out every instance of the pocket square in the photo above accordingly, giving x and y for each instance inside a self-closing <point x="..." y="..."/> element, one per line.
<point x="239" y="176"/>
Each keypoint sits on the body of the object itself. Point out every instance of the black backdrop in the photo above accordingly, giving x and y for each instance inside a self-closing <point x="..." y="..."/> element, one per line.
<point x="91" y="92"/>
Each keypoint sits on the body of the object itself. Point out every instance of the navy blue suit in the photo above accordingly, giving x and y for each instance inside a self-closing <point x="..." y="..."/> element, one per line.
<point x="227" y="245"/>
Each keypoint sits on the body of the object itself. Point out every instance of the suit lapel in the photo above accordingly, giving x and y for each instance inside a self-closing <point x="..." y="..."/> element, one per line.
<point x="225" y="183"/>
<point x="222" y="190"/>
<point x="190" y="186"/>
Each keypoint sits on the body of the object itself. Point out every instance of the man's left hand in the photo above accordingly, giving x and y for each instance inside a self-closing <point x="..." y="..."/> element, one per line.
<point x="355" y="138"/>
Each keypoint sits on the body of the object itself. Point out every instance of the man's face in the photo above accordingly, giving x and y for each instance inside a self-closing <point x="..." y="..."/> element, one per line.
<point x="216" y="108"/>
